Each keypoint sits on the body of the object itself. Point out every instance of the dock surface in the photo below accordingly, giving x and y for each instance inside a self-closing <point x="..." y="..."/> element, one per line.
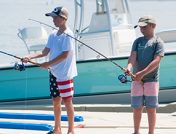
<point x="100" y="119"/>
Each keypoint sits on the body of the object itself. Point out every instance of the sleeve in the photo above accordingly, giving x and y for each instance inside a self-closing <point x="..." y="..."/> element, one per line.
<point x="160" y="49"/>
<point x="49" y="42"/>
<point x="67" y="43"/>
<point x="134" y="46"/>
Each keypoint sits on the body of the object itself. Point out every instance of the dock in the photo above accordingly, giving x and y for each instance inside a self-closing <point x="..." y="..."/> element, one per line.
<point x="98" y="119"/>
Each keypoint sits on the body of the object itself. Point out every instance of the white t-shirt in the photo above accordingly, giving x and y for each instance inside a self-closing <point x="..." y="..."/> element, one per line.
<point x="66" y="69"/>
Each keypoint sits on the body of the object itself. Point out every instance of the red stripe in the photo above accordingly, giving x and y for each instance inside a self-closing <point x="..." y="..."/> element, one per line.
<point x="66" y="90"/>
<point x="68" y="97"/>
<point x="65" y="82"/>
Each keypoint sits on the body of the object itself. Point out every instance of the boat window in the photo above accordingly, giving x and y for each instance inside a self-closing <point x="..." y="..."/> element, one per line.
<point x="100" y="7"/>
<point x="116" y="6"/>
<point x="118" y="12"/>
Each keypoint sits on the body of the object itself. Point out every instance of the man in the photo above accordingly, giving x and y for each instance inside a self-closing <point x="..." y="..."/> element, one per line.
<point x="146" y="54"/>
<point x="62" y="66"/>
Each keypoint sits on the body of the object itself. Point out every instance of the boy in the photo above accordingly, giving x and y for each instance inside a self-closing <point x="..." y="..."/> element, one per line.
<point x="147" y="52"/>
<point x="62" y="66"/>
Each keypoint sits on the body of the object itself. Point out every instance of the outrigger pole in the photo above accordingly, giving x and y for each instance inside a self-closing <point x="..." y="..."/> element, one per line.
<point x="123" y="69"/>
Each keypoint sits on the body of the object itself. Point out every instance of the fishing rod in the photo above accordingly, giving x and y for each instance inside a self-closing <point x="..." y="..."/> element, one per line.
<point x="81" y="43"/>
<point x="17" y="66"/>
<point x="123" y="69"/>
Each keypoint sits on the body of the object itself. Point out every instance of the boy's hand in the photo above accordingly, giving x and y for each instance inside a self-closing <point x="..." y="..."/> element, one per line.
<point x="128" y="72"/>
<point x="25" y="59"/>
<point x="138" y="76"/>
<point x="45" y="65"/>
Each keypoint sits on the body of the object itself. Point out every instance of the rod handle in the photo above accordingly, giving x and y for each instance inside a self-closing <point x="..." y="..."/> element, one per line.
<point x="129" y="73"/>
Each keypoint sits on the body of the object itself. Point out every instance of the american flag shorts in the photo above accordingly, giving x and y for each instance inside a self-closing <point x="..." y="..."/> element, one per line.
<point x="53" y="87"/>
<point x="66" y="88"/>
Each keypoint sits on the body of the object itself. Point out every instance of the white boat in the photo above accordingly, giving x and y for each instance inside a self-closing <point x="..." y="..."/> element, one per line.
<point x="109" y="37"/>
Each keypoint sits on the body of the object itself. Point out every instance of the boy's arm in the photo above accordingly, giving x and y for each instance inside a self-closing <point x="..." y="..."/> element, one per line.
<point x="36" y="55"/>
<point x="56" y="60"/>
<point x="40" y="54"/>
<point x="153" y="65"/>
<point x="59" y="58"/>
<point x="131" y="62"/>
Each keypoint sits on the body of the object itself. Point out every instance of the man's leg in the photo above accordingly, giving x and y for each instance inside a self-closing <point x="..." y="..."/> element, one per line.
<point x="70" y="113"/>
<point x="137" y="115"/>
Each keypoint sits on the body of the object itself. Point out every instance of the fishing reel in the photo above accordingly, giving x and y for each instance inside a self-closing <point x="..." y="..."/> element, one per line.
<point x="123" y="78"/>
<point x="19" y="67"/>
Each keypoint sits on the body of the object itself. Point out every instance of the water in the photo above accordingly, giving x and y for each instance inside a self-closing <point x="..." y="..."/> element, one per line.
<point x="14" y="14"/>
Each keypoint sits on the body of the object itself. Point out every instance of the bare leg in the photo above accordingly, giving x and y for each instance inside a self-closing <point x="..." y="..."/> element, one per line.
<point x="151" y="119"/>
<point x="57" y="114"/>
<point x="70" y="112"/>
<point x="137" y="114"/>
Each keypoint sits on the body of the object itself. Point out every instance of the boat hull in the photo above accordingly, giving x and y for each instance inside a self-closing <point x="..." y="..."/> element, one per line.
<point x="96" y="82"/>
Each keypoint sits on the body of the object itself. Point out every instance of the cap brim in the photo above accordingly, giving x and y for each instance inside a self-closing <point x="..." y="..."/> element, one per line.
<point x="135" y="26"/>
<point x="51" y="14"/>
<point x="141" y="24"/>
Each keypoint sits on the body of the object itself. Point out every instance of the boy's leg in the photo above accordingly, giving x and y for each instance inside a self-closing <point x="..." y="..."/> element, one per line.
<point x="70" y="113"/>
<point x="151" y="90"/>
<point x="151" y="119"/>
<point x="137" y="104"/>
<point x="57" y="114"/>
<point x="54" y="93"/>
<point x="66" y="90"/>
<point x="137" y="115"/>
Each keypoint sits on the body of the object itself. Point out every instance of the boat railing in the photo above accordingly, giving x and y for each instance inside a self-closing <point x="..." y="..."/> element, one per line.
<point x="34" y="38"/>
<point x="169" y="38"/>
<point x="93" y="32"/>
<point x="168" y="35"/>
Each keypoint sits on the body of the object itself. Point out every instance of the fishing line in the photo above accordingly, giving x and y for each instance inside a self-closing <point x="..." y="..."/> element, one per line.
<point x="26" y="89"/>
<point x="21" y="67"/>
<point x="123" y="69"/>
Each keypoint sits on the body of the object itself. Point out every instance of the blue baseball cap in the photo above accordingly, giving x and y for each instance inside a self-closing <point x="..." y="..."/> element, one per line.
<point x="59" y="11"/>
